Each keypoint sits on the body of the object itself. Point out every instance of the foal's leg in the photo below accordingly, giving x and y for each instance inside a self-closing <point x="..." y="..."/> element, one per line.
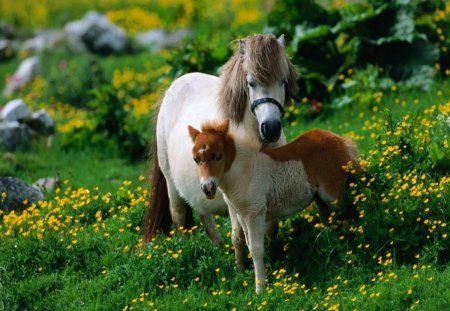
<point x="211" y="230"/>
<point x="324" y="208"/>
<point x="237" y="238"/>
<point x="255" y="223"/>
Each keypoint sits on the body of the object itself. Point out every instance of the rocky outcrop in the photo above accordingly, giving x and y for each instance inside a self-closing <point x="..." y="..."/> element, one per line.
<point x="15" y="110"/>
<point x="47" y="184"/>
<point x="27" y="70"/>
<point x="98" y="34"/>
<point x="13" y="135"/>
<point x="19" y="195"/>
<point x="17" y="125"/>
<point x="159" y="39"/>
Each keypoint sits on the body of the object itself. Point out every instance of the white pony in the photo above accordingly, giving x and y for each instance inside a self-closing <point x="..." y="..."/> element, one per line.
<point x="260" y="186"/>
<point x="254" y="86"/>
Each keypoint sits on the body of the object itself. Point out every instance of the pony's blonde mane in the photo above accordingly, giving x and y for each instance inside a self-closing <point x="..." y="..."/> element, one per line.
<point x="265" y="59"/>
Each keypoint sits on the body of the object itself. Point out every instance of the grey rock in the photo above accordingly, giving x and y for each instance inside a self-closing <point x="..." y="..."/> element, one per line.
<point x="98" y="34"/>
<point x="159" y="39"/>
<point x="47" y="184"/>
<point x="15" y="110"/>
<point x="41" y="123"/>
<point x="27" y="70"/>
<point x="13" y="135"/>
<point x="46" y="39"/>
<point x="17" y="193"/>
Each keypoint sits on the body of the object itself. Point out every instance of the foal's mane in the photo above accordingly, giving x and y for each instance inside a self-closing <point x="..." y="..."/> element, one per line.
<point x="263" y="57"/>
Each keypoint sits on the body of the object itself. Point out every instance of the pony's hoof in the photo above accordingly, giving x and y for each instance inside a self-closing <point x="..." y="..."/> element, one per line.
<point x="240" y="266"/>
<point x="218" y="241"/>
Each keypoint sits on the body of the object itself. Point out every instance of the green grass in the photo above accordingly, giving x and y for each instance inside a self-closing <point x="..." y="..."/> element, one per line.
<point x="84" y="168"/>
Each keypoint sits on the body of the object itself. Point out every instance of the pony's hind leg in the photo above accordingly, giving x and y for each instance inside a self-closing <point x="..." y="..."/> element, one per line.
<point x="211" y="230"/>
<point x="177" y="206"/>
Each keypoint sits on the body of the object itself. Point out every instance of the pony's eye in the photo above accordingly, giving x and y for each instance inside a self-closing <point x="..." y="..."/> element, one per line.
<point x="251" y="83"/>
<point x="219" y="157"/>
<point x="196" y="160"/>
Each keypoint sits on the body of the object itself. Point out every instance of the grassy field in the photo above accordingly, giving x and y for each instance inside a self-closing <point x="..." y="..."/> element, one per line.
<point x="86" y="239"/>
<point x="81" y="248"/>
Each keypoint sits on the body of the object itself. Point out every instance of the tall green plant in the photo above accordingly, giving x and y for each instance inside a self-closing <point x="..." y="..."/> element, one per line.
<point x="393" y="35"/>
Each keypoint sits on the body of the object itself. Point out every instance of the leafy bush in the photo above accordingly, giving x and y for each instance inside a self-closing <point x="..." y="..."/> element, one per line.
<point x="111" y="126"/>
<point x="69" y="77"/>
<point x="199" y="54"/>
<point x="404" y="38"/>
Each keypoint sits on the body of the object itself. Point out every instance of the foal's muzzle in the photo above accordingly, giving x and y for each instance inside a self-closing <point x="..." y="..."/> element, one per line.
<point x="209" y="188"/>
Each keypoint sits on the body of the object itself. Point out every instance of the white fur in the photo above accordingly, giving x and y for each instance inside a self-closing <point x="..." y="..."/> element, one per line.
<point x="257" y="190"/>
<point x="192" y="100"/>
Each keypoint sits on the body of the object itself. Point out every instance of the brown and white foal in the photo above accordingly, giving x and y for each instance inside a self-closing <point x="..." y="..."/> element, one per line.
<point x="261" y="186"/>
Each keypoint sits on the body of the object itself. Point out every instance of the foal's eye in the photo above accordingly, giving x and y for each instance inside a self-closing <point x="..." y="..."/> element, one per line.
<point x="219" y="157"/>
<point x="196" y="160"/>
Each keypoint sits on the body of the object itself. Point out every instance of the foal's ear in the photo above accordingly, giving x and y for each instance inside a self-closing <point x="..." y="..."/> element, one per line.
<point x="224" y="127"/>
<point x="193" y="132"/>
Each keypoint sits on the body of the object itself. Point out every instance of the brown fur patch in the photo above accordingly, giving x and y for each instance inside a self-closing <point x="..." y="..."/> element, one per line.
<point x="323" y="154"/>
<point x="266" y="60"/>
<point x="219" y="140"/>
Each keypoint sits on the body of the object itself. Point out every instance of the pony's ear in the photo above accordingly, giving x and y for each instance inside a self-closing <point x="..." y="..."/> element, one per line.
<point x="281" y="40"/>
<point x="242" y="46"/>
<point x="193" y="132"/>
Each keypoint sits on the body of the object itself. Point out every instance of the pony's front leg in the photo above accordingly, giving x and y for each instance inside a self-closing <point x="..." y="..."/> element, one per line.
<point x="255" y="223"/>
<point x="237" y="238"/>
<point x="210" y="228"/>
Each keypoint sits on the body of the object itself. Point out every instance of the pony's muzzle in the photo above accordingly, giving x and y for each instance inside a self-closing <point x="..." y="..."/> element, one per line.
<point x="271" y="130"/>
<point x="209" y="188"/>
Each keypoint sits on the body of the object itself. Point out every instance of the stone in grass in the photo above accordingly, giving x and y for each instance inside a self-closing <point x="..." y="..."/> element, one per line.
<point x="19" y="195"/>
<point x="13" y="136"/>
<point x="98" y="34"/>
<point x="15" y="110"/>
<point x="41" y="123"/>
<point x="26" y="72"/>
<point x="47" y="184"/>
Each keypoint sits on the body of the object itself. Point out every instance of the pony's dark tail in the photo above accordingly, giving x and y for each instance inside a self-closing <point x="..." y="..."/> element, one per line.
<point x="157" y="214"/>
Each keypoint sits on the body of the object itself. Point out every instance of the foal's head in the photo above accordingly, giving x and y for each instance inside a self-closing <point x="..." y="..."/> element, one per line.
<point x="213" y="151"/>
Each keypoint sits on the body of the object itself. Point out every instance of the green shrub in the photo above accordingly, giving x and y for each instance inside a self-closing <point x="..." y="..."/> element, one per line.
<point x="69" y="77"/>
<point x="404" y="38"/>
<point x="199" y="54"/>
<point x="111" y="126"/>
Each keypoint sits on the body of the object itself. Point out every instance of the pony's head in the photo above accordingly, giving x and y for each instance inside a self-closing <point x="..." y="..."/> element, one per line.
<point x="214" y="152"/>
<point x="258" y="79"/>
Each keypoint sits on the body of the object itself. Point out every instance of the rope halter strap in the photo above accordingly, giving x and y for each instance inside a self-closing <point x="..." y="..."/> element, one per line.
<point x="264" y="100"/>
